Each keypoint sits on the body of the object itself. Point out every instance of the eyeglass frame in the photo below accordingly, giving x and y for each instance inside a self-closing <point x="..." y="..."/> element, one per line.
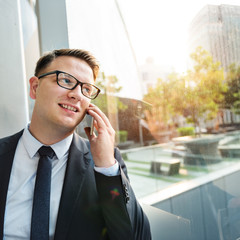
<point x="57" y="72"/>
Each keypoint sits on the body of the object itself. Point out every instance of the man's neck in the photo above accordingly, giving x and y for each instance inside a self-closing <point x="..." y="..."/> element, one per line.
<point x="48" y="136"/>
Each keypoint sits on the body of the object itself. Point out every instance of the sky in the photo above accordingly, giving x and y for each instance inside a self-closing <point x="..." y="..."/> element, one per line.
<point x="159" y="28"/>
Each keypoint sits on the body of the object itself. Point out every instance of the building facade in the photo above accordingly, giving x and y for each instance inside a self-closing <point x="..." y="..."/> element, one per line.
<point x="216" y="28"/>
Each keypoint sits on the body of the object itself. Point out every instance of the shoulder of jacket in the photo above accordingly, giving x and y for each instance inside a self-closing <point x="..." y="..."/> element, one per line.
<point x="10" y="142"/>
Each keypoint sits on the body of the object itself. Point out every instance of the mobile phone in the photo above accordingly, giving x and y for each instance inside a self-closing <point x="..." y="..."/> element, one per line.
<point x="90" y="120"/>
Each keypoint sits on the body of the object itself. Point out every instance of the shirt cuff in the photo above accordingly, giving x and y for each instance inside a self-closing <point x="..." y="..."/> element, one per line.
<point x="110" y="171"/>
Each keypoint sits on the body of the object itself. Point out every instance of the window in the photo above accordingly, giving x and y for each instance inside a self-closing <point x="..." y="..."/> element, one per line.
<point x="176" y="118"/>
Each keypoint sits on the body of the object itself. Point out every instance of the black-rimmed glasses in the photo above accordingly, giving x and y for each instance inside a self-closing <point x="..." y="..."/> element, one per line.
<point x="67" y="81"/>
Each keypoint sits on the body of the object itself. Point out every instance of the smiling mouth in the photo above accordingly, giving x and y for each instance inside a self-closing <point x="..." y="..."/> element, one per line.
<point x="68" y="107"/>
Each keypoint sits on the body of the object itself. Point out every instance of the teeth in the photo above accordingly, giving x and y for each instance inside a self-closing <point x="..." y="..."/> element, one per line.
<point x="69" y="107"/>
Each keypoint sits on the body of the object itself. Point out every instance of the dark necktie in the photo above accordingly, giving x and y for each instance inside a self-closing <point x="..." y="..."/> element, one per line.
<point x="41" y="199"/>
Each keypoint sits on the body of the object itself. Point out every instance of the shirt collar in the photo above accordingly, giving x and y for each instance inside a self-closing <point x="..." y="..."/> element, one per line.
<point x="32" y="144"/>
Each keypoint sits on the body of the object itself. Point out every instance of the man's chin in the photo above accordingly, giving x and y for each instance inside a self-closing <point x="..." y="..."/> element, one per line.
<point x="68" y="125"/>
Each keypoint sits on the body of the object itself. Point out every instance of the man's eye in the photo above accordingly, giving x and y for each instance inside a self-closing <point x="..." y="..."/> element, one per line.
<point x="65" y="81"/>
<point x="87" y="89"/>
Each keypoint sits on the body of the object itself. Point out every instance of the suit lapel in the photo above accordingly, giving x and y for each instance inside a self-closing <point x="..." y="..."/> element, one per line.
<point x="7" y="150"/>
<point x="78" y="163"/>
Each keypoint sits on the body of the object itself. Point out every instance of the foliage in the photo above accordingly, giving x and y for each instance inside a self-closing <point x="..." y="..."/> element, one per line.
<point x="164" y="98"/>
<point x="108" y="84"/>
<point x="196" y="94"/>
<point x="232" y="96"/>
<point x="204" y="87"/>
<point x="186" y="131"/>
<point x="122" y="135"/>
<point x="107" y="101"/>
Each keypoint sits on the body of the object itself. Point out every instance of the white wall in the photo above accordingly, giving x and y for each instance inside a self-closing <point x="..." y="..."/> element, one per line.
<point x="13" y="93"/>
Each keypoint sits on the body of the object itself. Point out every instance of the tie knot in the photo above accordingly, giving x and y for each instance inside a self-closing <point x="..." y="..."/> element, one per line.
<point x="46" y="151"/>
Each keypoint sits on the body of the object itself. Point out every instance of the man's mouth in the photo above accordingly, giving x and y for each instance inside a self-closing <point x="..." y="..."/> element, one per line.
<point x="68" y="107"/>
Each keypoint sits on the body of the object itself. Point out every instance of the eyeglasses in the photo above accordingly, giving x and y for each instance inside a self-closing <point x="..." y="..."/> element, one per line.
<point x="67" y="81"/>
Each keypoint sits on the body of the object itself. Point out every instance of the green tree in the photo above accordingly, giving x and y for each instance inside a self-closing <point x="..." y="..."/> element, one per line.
<point x="164" y="98"/>
<point x="195" y="94"/>
<point x="232" y="95"/>
<point x="204" y="87"/>
<point x="107" y="97"/>
<point x="160" y="108"/>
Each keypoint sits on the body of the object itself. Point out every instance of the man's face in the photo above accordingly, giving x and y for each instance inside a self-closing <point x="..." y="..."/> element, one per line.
<point x="57" y="107"/>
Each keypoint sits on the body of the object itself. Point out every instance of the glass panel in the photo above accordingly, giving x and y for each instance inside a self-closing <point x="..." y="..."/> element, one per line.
<point x="176" y="115"/>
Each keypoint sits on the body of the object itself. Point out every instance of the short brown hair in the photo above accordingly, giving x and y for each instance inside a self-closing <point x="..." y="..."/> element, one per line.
<point x="86" y="56"/>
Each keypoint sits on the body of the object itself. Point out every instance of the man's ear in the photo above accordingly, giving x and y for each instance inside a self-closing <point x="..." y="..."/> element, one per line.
<point x="34" y="82"/>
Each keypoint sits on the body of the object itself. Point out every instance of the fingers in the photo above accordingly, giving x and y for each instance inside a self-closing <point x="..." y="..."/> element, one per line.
<point x="102" y="143"/>
<point x="99" y="112"/>
<point x="99" y="116"/>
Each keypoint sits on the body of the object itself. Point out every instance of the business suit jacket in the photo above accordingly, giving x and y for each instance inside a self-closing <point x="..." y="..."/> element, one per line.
<point x="92" y="206"/>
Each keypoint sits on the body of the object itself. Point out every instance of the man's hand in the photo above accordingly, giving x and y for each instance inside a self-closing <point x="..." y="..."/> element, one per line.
<point x="102" y="145"/>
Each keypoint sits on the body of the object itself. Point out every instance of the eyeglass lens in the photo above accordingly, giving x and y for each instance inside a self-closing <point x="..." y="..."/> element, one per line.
<point x="69" y="82"/>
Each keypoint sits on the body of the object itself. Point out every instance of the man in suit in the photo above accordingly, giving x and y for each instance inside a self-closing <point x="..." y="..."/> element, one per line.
<point x="91" y="197"/>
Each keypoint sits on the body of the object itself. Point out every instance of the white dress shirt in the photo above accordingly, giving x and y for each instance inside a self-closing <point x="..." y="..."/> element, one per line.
<point x="18" y="211"/>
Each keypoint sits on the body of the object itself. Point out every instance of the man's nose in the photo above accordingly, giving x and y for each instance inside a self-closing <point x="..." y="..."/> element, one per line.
<point x="76" y="93"/>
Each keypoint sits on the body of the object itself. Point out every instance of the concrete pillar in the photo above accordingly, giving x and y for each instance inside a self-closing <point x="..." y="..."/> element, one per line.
<point x="52" y="24"/>
<point x="13" y="92"/>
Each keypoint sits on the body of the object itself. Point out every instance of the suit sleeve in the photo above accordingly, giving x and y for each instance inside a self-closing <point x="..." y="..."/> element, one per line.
<point x="123" y="215"/>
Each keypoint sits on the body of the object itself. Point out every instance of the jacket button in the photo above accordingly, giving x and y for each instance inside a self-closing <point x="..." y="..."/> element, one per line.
<point x="127" y="198"/>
